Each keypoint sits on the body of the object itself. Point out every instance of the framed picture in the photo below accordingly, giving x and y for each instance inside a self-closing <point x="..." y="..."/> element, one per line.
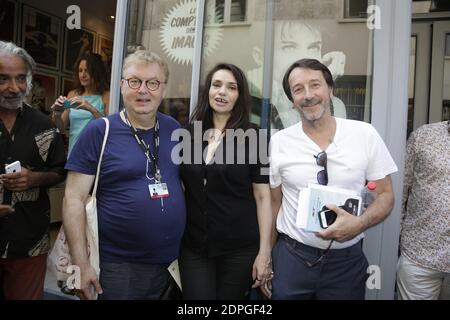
<point x="67" y="84"/>
<point x="105" y="49"/>
<point x="41" y="37"/>
<point x="8" y="20"/>
<point x="44" y="91"/>
<point x="77" y="42"/>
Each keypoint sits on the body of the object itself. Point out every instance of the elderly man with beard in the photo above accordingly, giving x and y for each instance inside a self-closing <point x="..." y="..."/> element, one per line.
<point x="322" y="149"/>
<point x="28" y="136"/>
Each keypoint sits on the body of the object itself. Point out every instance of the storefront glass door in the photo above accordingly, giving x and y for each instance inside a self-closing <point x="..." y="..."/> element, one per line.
<point x="264" y="37"/>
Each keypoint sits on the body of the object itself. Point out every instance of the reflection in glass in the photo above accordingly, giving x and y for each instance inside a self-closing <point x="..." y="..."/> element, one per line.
<point x="301" y="29"/>
<point x="167" y="27"/>
<point x="411" y="83"/>
<point x="355" y="9"/>
<point x="220" y="9"/>
<point x="446" y="88"/>
<point x="238" y="10"/>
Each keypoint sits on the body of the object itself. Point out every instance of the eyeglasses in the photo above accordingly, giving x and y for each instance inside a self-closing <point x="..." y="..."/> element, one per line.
<point x="322" y="256"/>
<point x="322" y="175"/>
<point x="135" y="83"/>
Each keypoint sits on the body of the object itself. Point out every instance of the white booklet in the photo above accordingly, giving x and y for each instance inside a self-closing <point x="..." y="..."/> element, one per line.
<point x="313" y="199"/>
<point x="174" y="271"/>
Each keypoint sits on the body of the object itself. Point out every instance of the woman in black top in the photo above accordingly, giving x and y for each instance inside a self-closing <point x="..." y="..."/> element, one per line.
<point x="226" y="246"/>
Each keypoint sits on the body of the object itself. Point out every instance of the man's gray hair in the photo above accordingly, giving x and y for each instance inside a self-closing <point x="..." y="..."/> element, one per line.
<point x="12" y="49"/>
<point x="146" y="57"/>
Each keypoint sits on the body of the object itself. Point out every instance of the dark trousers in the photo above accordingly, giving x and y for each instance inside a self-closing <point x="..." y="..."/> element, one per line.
<point x="341" y="274"/>
<point x="23" y="278"/>
<point x="132" y="281"/>
<point x="226" y="277"/>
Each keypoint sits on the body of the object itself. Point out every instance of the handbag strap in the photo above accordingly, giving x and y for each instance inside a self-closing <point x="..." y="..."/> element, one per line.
<point x="105" y="138"/>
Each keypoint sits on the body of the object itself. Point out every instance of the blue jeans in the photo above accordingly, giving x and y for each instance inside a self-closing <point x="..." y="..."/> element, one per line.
<point x="342" y="273"/>
<point x="131" y="281"/>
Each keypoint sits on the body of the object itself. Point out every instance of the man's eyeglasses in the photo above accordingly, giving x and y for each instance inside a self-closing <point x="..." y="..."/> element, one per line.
<point x="322" y="175"/>
<point x="322" y="178"/>
<point x="135" y="83"/>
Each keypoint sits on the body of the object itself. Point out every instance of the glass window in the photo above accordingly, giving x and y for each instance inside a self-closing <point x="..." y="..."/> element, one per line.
<point x="238" y="10"/>
<point x="355" y="9"/>
<point x="167" y="27"/>
<point x="229" y="11"/>
<point x="411" y="83"/>
<point x="220" y="10"/>
<point x="446" y="91"/>
<point x="299" y="29"/>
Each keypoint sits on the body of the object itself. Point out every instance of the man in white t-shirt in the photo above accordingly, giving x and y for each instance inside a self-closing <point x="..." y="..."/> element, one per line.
<point x="330" y="151"/>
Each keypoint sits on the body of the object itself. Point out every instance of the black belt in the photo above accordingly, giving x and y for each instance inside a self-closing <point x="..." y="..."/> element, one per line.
<point x="317" y="251"/>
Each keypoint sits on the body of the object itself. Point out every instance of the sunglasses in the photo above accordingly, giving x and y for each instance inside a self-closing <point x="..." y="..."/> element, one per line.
<point x="322" y="175"/>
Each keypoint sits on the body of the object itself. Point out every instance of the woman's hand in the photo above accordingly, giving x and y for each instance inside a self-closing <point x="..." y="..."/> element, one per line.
<point x="262" y="273"/>
<point x="262" y="268"/>
<point x="81" y="104"/>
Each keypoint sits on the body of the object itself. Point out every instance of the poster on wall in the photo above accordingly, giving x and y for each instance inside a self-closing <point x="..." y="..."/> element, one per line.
<point x="41" y="37"/>
<point x="8" y="20"/>
<point x="77" y="43"/>
<point x="44" y="91"/>
<point x="177" y="33"/>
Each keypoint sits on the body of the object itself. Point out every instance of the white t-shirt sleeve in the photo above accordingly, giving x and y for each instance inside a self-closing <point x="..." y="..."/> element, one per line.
<point x="380" y="162"/>
<point x="275" y="177"/>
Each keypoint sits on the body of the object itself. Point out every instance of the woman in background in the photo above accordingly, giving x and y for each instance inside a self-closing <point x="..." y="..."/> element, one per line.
<point x="226" y="246"/>
<point x="88" y="101"/>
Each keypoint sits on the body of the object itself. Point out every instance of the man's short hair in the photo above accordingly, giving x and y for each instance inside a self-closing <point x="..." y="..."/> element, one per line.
<point x="146" y="57"/>
<point x="312" y="64"/>
<point x="12" y="49"/>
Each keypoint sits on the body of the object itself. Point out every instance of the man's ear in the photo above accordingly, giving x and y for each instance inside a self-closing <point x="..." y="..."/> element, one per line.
<point x="121" y="85"/>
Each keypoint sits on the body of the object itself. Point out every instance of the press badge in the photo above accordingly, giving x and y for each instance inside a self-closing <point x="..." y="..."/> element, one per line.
<point x="158" y="190"/>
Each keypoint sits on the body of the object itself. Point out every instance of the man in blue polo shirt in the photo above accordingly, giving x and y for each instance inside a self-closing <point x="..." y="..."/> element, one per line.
<point x="139" y="230"/>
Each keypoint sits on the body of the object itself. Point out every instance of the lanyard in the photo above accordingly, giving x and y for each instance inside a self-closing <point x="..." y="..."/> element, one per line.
<point x="152" y="158"/>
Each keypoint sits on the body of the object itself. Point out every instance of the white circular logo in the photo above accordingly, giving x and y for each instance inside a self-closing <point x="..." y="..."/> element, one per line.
<point x="177" y="33"/>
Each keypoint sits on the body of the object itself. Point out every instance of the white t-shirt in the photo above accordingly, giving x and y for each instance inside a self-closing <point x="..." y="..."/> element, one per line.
<point x="357" y="154"/>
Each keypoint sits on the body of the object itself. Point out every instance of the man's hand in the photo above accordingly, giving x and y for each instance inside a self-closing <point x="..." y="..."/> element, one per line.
<point x="58" y="106"/>
<point x="346" y="226"/>
<point x="90" y="285"/>
<point x="19" y="181"/>
<point x="5" y="210"/>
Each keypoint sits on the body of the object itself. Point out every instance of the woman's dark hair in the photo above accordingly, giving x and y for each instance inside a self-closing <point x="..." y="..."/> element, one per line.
<point x="97" y="71"/>
<point x="312" y="64"/>
<point x="240" y="116"/>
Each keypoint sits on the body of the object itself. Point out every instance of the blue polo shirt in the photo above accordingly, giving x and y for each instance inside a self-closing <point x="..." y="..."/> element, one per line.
<point x="132" y="227"/>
